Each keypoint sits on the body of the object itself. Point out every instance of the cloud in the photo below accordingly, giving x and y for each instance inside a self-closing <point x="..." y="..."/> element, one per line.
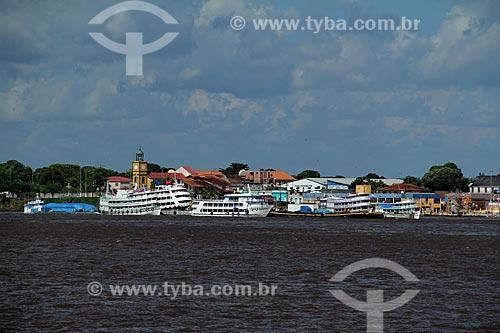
<point x="215" y="95"/>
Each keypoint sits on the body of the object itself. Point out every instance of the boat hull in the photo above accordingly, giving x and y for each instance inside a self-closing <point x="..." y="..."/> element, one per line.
<point x="406" y="216"/>
<point x="356" y="215"/>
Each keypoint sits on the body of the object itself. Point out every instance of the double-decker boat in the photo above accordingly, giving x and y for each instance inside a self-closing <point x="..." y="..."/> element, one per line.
<point x="353" y="203"/>
<point x="233" y="205"/>
<point x="144" y="201"/>
<point x="405" y="209"/>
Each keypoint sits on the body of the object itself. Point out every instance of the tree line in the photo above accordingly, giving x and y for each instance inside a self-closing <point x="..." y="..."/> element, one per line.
<point x="446" y="177"/>
<point x="22" y="180"/>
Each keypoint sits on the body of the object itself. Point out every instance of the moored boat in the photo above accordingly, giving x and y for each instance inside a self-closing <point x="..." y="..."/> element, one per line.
<point x="35" y="206"/>
<point x="145" y="201"/>
<point x="405" y="209"/>
<point x="233" y="205"/>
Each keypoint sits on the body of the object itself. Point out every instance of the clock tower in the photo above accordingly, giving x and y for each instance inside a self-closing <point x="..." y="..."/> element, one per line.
<point x="139" y="170"/>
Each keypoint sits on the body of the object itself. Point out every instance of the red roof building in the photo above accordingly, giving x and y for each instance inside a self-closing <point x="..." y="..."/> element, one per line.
<point x="406" y="188"/>
<point x="276" y="177"/>
<point x="119" y="183"/>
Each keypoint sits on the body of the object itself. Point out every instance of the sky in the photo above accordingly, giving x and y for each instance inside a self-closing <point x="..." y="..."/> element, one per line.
<point x="340" y="102"/>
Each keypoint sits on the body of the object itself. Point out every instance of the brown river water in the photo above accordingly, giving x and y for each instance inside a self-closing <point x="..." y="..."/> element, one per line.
<point x="48" y="261"/>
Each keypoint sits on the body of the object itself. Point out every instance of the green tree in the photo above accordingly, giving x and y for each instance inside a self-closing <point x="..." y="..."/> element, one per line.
<point x="412" y="180"/>
<point x="15" y="177"/>
<point x="373" y="175"/>
<point x="208" y="192"/>
<point x="366" y="181"/>
<point x="460" y="205"/>
<point x="308" y="174"/>
<point x="234" y="169"/>
<point x="446" y="177"/>
<point x="153" y="167"/>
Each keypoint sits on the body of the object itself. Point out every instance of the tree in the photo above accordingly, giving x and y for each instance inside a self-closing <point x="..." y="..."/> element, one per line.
<point x="208" y="192"/>
<point x="153" y="167"/>
<point x="234" y="169"/>
<point x="15" y="177"/>
<point x="373" y="175"/>
<point x="412" y="180"/>
<point x="308" y="174"/>
<point x="446" y="177"/>
<point x="366" y="181"/>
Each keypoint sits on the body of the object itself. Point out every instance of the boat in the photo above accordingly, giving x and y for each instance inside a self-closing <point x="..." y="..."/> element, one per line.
<point x="405" y="209"/>
<point x="35" y="206"/>
<point x="38" y="206"/>
<point x="326" y="213"/>
<point x="144" y="201"/>
<point x="353" y="203"/>
<point x="233" y="205"/>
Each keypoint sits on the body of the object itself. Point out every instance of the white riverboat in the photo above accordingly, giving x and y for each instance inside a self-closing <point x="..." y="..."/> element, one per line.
<point x="353" y="203"/>
<point x="143" y="201"/>
<point x="405" y="209"/>
<point x="35" y="206"/>
<point x="233" y="205"/>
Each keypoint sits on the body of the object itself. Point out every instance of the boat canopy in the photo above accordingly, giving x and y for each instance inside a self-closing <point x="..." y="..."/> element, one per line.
<point x="69" y="207"/>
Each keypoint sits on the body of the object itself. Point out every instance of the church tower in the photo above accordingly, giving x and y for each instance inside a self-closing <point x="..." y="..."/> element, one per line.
<point x="139" y="170"/>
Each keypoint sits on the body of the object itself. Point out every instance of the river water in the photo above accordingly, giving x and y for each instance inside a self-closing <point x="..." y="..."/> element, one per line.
<point x="47" y="262"/>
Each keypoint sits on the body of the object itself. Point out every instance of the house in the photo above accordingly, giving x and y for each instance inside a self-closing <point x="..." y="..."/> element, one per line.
<point x="306" y="185"/>
<point x="186" y="171"/>
<point x="198" y="179"/>
<point x="267" y="177"/>
<point x="119" y="183"/>
<point x="485" y="184"/>
<point x="193" y="185"/>
<point x="162" y="178"/>
<point x="319" y="184"/>
<point x="403" y="188"/>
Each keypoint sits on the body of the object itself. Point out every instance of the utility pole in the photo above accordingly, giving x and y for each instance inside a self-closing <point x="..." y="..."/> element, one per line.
<point x="491" y="189"/>
<point x="80" y="181"/>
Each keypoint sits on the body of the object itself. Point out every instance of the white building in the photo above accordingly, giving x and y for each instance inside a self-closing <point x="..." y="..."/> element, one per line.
<point x="329" y="183"/>
<point x="485" y="184"/>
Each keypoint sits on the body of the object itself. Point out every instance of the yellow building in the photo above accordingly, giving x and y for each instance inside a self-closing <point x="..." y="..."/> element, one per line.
<point x="139" y="170"/>
<point x="365" y="189"/>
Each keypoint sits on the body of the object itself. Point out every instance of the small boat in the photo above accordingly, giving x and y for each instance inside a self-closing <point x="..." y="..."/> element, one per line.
<point x="233" y="205"/>
<point x="35" y="206"/>
<point x="405" y="209"/>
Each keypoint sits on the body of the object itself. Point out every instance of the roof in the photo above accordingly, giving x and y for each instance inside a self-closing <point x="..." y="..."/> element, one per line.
<point x="189" y="169"/>
<point x="194" y="183"/>
<point x="165" y="175"/>
<point x="267" y="174"/>
<point x="282" y="175"/>
<point x="403" y="187"/>
<point x="209" y="172"/>
<point x="236" y="179"/>
<point x="119" y="179"/>
<point x="217" y="181"/>
<point x="486" y="181"/>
